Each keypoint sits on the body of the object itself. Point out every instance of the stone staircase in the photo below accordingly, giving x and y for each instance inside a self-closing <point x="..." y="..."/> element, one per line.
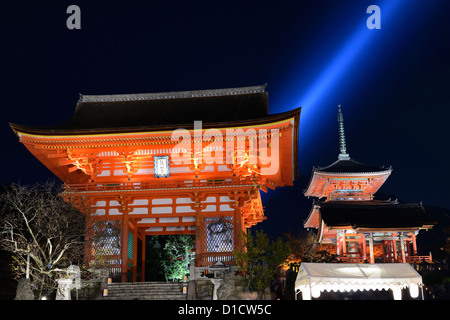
<point x="145" y="291"/>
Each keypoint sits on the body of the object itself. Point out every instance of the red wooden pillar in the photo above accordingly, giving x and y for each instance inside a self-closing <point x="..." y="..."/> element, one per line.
<point x="135" y="255"/>
<point x="363" y="247"/>
<point x="344" y="244"/>
<point x="143" y="256"/>
<point x="124" y="248"/>
<point x="371" y="254"/>
<point x="198" y="237"/>
<point x="414" y="244"/>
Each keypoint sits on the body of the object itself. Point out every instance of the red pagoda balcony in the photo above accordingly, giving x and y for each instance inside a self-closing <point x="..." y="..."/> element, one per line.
<point x="409" y="259"/>
<point x="419" y="259"/>
<point x="350" y="259"/>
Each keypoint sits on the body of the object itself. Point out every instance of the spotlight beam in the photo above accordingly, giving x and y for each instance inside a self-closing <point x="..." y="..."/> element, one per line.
<point x="341" y="63"/>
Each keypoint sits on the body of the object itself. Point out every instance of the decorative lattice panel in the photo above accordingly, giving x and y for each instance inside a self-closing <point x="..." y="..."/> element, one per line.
<point x="218" y="234"/>
<point x="106" y="238"/>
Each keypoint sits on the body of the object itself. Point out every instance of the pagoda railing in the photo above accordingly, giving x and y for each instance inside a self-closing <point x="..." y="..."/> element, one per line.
<point x="158" y="185"/>
<point x="409" y="259"/>
<point x="419" y="259"/>
<point x="352" y="259"/>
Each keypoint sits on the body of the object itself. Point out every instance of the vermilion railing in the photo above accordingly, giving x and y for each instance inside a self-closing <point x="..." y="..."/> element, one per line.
<point x="352" y="259"/>
<point x="409" y="259"/>
<point x="419" y="259"/>
<point x="157" y="185"/>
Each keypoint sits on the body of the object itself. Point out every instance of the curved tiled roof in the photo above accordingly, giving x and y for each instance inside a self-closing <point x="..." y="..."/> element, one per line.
<point x="349" y="166"/>
<point x="373" y="214"/>
<point x="164" y="111"/>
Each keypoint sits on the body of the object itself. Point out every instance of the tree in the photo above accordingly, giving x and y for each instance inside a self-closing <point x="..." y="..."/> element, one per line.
<point x="304" y="247"/>
<point x="177" y="256"/>
<point x="259" y="259"/>
<point x="44" y="232"/>
<point x="324" y="256"/>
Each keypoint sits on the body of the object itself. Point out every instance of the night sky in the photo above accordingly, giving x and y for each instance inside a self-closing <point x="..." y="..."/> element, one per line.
<point x="393" y="83"/>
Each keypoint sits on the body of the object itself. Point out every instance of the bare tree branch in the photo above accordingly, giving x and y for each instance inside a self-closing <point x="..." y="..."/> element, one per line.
<point x="38" y="222"/>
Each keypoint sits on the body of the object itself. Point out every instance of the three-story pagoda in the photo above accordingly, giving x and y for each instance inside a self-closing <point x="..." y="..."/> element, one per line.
<point x="351" y="223"/>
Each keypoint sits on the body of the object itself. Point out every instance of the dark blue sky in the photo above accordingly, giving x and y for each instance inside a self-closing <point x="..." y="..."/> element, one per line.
<point x="393" y="83"/>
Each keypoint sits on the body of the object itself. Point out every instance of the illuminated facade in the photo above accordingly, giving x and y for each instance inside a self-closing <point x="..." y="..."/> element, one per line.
<point x="146" y="165"/>
<point x="351" y="223"/>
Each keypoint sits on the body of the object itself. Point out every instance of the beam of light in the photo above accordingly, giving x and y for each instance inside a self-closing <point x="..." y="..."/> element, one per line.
<point x="333" y="75"/>
<point x="342" y="62"/>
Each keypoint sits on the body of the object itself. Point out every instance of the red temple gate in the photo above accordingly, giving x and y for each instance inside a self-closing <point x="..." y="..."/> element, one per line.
<point x="145" y="165"/>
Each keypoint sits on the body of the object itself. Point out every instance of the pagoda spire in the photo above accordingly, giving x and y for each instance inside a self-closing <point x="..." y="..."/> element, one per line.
<point x="343" y="155"/>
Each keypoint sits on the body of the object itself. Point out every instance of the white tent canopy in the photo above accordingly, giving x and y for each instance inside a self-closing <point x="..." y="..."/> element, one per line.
<point x="314" y="278"/>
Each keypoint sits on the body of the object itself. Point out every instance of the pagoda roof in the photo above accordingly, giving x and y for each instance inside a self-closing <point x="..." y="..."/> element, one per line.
<point x="350" y="166"/>
<point x="318" y="185"/>
<point x="164" y="111"/>
<point x="373" y="214"/>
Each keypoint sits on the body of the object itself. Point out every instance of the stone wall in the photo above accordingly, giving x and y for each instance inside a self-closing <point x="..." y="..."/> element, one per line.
<point x="203" y="290"/>
<point x="231" y="288"/>
<point x="90" y="290"/>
